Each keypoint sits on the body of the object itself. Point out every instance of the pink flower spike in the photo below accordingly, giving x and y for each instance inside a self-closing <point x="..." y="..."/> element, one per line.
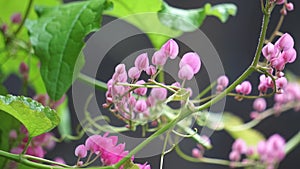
<point x="81" y="151"/>
<point x="289" y="55"/>
<point x="159" y="58"/>
<point x="259" y="104"/>
<point x="170" y="48"/>
<point x="140" y="106"/>
<point x="134" y="73"/>
<point x="142" y="90"/>
<point x="223" y="81"/>
<point x="193" y="60"/>
<point x="185" y="73"/>
<point x="142" y="62"/>
<point x="285" y="42"/>
<point x="159" y="93"/>
<point x="289" y="6"/>
<point x="16" y="18"/>
<point x="151" y="70"/>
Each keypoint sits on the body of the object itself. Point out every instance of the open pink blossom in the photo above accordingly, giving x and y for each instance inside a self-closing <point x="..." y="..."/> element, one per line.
<point x="142" y="62"/>
<point x="81" y="151"/>
<point x="186" y="72"/>
<point x="285" y="42"/>
<point x="170" y="48"/>
<point x="159" y="58"/>
<point x="193" y="60"/>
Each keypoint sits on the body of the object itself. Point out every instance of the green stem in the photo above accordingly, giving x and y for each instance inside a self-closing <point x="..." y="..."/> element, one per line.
<point x="25" y="17"/>
<point x="206" y="90"/>
<point x="93" y="82"/>
<point x="292" y="143"/>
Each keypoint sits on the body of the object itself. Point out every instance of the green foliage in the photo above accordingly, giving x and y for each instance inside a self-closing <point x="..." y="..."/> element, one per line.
<point x="251" y="136"/>
<point x="57" y="38"/>
<point x="35" y="117"/>
<point x="63" y="112"/>
<point x="190" y="20"/>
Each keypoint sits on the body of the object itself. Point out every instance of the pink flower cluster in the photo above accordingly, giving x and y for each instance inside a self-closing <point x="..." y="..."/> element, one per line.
<point x="15" y="18"/>
<point x="131" y="101"/>
<point x="38" y="146"/>
<point x="288" y="6"/>
<point x="270" y="152"/>
<point x="291" y="94"/>
<point x="222" y="83"/>
<point x="106" y="147"/>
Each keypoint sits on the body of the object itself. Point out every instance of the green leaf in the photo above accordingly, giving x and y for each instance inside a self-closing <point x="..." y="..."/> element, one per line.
<point x="35" y="117"/>
<point x="188" y="20"/>
<point x="143" y="15"/>
<point x="222" y="11"/>
<point x="58" y="38"/>
<point x="250" y="136"/>
<point x="64" y="126"/>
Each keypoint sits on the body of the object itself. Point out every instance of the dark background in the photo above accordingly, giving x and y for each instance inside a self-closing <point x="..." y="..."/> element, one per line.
<point x="236" y="43"/>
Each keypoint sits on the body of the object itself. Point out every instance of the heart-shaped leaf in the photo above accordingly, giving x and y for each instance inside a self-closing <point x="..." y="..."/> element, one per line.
<point x="58" y="36"/>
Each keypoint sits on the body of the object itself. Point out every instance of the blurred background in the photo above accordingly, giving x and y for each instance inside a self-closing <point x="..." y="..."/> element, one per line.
<point x="236" y="42"/>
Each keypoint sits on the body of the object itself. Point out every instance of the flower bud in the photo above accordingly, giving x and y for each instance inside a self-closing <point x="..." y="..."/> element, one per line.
<point x="134" y="73"/>
<point x="141" y="106"/>
<point x="193" y="60"/>
<point x="281" y="83"/>
<point x="234" y="156"/>
<point x="285" y="42"/>
<point x="142" y="62"/>
<point x="170" y="48"/>
<point x="239" y="146"/>
<point x="223" y="81"/>
<point x="142" y="90"/>
<point x="289" y="55"/>
<point x="159" y="58"/>
<point x="196" y="153"/>
<point x="159" y="93"/>
<point x="185" y="73"/>
<point x="289" y="6"/>
<point x="16" y="18"/>
<point x="3" y="28"/>
<point x="259" y="104"/>
<point x="151" y="70"/>
<point x="269" y="51"/>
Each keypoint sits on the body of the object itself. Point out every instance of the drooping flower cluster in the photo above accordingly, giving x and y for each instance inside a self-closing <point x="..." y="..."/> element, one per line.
<point x="38" y="146"/>
<point x="270" y="152"/>
<point x="106" y="147"/>
<point x="134" y="101"/>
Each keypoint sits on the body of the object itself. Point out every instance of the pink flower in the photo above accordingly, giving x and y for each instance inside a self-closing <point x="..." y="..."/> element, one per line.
<point x="196" y="153"/>
<point x="193" y="60"/>
<point x="144" y="166"/>
<point x="4" y="28"/>
<point x="289" y="56"/>
<point x="151" y="70"/>
<point x="159" y="93"/>
<point x="289" y="6"/>
<point x="234" y="156"/>
<point x="170" y="48"/>
<point x="278" y="63"/>
<point x="244" y="88"/>
<point x="269" y="51"/>
<point x="81" y="151"/>
<point x="142" y="90"/>
<point x="223" y="81"/>
<point x="134" y="73"/>
<point x="141" y="106"/>
<point x="185" y="73"/>
<point x="239" y="146"/>
<point x="279" y="2"/>
<point x="281" y="83"/>
<point x="16" y="18"/>
<point x="285" y="42"/>
<point x="91" y="143"/>
<point x="142" y="62"/>
<point x="259" y="104"/>
<point x="159" y="58"/>
<point x="120" y="74"/>
<point x="59" y="160"/>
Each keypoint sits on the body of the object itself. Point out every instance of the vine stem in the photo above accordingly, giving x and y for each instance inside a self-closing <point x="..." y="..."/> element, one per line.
<point x="292" y="143"/>
<point x="25" y="17"/>
<point x="93" y="82"/>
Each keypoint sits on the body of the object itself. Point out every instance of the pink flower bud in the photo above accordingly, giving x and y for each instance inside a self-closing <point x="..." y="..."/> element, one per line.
<point x="193" y="60"/>
<point x="234" y="156"/>
<point x="239" y="146"/>
<point x="185" y="73"/>
<point x="151" y="70"/>
<point x="244" y="88"/>
<point x="196" y="153"/>
<point x="259" y="104"/>
<point x="23" y="68"/>
<point x="59" y="160"/>
<point x="13" y="135"/>
<point x="134" y="73"/>
<point x="132" y="101"/>
<point x="278" y="63"/>
<point x="289" y="55"/>
<point x="254" y="115"/>
<point x="250" y="151"/>
<point x="4" y="28"/>
<point x="91" y="143"/>
<point x="223" y="81"/>
<point x="81" y="151"/>
<point x="276" y="147"/>
<point x="120" y="74"/>
<point x="176" y="84"/>
<point x="159" y="58"/>
<point x="142" y="62"/>
<point x="142" y="90"/>
<point x="159" y="93"/>
<point x="16" y="18"/>
<point x="285" y="42"/>
<point x="283" y="11"/>
<point x="170" y="48"/>
<point x="269" y="51"/>
<point x="261" y="148"/>
<point x="289" y="6"/>
<point x="36" y="151"/>
<point x="141" y="106"/>
<point x="281" y="83"/>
